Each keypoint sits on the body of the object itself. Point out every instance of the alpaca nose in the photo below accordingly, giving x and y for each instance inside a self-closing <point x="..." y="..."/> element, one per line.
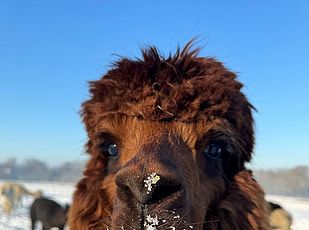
<point x="148" y="188"/>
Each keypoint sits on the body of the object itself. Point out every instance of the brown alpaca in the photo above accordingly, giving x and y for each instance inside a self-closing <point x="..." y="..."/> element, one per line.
<point x="168" y="142"/>
<point x="11" y="194"/>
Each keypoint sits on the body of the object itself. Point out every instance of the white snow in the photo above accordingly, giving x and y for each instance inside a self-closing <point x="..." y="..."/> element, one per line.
<point x="62" y="193"/>
<point x="152" y="179"/>
<point x="151" y="222"/>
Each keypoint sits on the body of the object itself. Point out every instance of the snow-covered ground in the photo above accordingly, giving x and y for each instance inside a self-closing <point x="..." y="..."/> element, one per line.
<point x="20" y="220"/>
<point x="62" y="193"/>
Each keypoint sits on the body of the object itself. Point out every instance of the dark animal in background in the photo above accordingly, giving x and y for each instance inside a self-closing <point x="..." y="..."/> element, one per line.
<point x="168" y="141"/>
<point x="49" y="212"/>
<point x="280" y="219"/>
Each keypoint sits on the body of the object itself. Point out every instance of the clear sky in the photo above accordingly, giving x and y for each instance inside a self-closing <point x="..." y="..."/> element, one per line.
<point x="50" y="49"/>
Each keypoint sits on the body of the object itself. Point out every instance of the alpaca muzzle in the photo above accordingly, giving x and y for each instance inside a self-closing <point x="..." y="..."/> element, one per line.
<point x="151" y="186"/>
<point x="149" y="178"/>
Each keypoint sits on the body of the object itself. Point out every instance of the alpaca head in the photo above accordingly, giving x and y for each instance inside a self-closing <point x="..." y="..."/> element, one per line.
<point x="168" y="140"/>
<point x="37" y="194"/>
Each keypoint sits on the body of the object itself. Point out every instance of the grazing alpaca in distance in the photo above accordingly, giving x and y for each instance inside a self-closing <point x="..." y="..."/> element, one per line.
<point x="12" y="193"/>
<point x="279" y="218"/>
<point x="168" y="141"/>
<point x="49" y="212"/>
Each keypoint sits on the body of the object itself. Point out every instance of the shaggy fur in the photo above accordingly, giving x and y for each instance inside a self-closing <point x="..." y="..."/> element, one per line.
<point x="162" y="113"/>
<point x="12" y="193"/>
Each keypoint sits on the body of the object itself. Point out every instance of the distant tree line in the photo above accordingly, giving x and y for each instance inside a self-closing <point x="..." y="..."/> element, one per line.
<point x="290" y="181"/>
<point x="33" y="169"/>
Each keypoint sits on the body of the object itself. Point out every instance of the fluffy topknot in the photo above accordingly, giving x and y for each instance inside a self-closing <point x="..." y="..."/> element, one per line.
<point x="182" y="87"/>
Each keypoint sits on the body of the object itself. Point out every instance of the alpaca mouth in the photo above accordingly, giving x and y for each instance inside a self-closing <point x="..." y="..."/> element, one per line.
<point x="163" y="207"/>
<point x="165" y="219"/>
<point x="157" y="217"/>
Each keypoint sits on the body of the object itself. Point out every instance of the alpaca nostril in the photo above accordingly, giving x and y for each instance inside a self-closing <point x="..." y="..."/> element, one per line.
<point x="164" y="191"/>
<point x="158" y="188"/>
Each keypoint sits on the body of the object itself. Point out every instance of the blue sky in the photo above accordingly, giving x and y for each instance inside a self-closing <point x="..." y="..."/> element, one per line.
<point x="50" y="49"/>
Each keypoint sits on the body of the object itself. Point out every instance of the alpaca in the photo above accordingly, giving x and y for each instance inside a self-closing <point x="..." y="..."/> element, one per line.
<point x="49" y="212"/>
<point x="12" y="193"/>
<point x="280" y="219"/>
<point x="168" y="139"/>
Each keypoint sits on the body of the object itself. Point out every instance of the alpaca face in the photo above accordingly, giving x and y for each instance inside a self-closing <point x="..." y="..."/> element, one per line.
<point x="163" y="171"/>
<point x="168" y="140"/>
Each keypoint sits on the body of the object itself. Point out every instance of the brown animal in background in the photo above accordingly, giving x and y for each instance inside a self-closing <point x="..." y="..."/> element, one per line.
<point x="12" y="193"/>
<point x="168" y="142"/>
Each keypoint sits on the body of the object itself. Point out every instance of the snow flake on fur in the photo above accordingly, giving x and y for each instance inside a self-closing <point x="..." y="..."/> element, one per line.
<point x="151" y="180"/>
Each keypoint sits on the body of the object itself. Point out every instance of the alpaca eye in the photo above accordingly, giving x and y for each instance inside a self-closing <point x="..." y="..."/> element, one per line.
<point x="213" y="151"/>
<point x="112" y="150"/>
